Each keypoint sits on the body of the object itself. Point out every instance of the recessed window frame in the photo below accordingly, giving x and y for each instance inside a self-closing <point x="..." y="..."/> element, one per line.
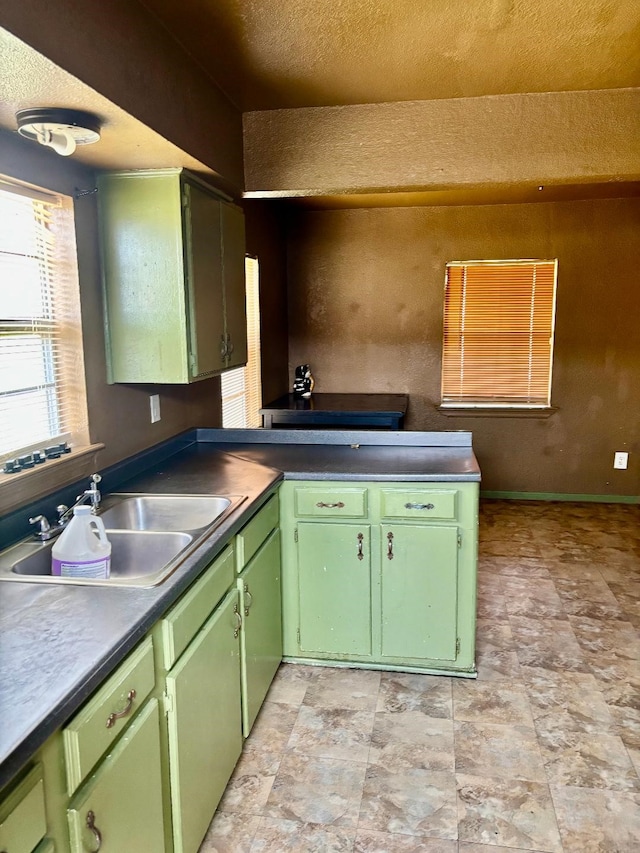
<point x="512" y="331"/>
<point x="62" y="327"/>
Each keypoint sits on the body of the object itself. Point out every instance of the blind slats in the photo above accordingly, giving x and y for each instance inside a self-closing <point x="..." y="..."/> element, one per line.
<point x="40" y="394"/>
<point x="498" y="332"/>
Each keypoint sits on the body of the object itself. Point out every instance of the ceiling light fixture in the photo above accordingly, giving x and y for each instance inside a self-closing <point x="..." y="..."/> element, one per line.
<point x="59" y="128"/>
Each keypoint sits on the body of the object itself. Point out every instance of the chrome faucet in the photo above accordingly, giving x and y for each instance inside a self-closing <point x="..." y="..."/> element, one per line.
<point x="47" y="531"/>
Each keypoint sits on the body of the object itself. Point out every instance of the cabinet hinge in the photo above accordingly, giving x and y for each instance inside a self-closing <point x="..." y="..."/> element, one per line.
<point x="185" y="200"/>
<point x="457" y="646"/>
<point x="298" y="636"/>
<point x="459" y="540"/>
<point x="295" y="539"/>
<point x="167" y="703"/>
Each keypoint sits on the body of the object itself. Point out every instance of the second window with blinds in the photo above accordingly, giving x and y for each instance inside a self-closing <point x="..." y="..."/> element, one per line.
<point x="498" y="334"/>
<point x="242" y="388"/>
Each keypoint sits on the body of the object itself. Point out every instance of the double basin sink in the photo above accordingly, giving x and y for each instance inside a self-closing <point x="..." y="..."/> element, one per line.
<point x="150" y="535"/>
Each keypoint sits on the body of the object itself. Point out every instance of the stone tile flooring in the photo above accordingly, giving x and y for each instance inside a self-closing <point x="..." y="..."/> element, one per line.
<point x="541" y="753"/>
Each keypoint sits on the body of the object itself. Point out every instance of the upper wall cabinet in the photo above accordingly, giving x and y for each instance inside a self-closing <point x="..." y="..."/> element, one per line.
<point x="174" y="281"/>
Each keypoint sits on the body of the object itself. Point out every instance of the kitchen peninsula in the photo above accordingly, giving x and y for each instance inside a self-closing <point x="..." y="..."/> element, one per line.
<point x="378" y="502"/>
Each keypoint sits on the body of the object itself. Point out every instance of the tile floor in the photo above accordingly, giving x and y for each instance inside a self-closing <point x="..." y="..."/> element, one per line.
<point x="540" y="753"/>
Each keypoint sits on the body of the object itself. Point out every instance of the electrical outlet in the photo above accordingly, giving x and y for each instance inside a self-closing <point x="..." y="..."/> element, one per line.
<point x="154" y="405"/>
<point x="620" y="459"/>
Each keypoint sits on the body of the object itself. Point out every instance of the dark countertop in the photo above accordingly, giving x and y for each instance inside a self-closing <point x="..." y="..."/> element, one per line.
<point x="58" y="644"/>
<point x="372" y="411"/>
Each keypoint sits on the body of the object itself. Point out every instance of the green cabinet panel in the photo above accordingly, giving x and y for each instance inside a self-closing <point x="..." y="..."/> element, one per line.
<point x="334" y="580"/>
<point x="204" y="724"/>
<point x="185" y="619"/>
<point x="418" y="504"/>
<point x="122" y="800"/>
<point x="102" y="720"/>
<point x="234" y="284"/>
<point x="22" y="817"/>
<point x="204" y="281"/>
<point x="173" y="276"/>
<point x="256" y="531"/>
<point x="261" y="635"/>
<point x="330" y="501"/>
<point x="419" y="591"/>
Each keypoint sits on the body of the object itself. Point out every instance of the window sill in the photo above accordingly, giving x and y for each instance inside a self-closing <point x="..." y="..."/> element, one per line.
<point x="498" y="412"/>
<point x="22" y="488"/>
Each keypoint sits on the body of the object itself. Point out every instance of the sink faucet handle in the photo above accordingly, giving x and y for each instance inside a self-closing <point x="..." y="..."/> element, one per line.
<point x="42" y="521"/>
<point x="95" y="479"/>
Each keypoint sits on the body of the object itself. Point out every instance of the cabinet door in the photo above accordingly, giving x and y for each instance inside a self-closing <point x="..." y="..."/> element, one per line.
<point x="204" y="281"/>
<point x="419" y="591"/>
<point x="261" y="635"/>
<point x="120" y="806"/>
<point x="334" y="577"/>
<point x="204" y="724"/>
<point x="234" y="277"/>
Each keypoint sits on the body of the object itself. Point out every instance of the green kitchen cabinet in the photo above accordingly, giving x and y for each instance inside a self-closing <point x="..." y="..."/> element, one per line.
<point x="173" y="275"/>
<point x="419" y="592"/>
<point x="23" y="822"/>
<point x="394" y="590"/>
<point x="120" y="805"/>
<point x="203" y="710"/>
<point x="334" y="585"/>
<point x="261" y="633"/>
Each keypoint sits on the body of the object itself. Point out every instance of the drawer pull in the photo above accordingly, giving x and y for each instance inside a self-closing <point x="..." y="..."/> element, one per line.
<point x="419" y="506"/>
<point x="118" y="715"/>
<point x="360" y="540"/>
<point x="236" y="613"/>
<point x="96" y="832"/>
<point x="390" y="546"/>
<point x="323" y="505"/>
<point x="248" y="599"/>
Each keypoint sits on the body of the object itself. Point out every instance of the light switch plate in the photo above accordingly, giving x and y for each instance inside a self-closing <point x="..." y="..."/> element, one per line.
<point x="620" y="459"/>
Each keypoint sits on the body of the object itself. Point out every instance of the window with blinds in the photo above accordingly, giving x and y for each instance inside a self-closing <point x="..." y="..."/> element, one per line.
<point x="498" y="333"/>
<point x="42" y="390"/>
<point x="242" y="388"/>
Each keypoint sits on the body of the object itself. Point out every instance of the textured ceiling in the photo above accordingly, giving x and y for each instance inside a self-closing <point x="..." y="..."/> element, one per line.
<point x="268" y="54"/>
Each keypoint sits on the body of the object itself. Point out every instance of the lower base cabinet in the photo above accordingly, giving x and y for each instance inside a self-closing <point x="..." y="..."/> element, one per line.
<point x="380" y="574"/>
<point x="203" y="723"/>
<point x="120" y="806"/>
<point x="261" y="634"/>
<point x="334" y="576"/>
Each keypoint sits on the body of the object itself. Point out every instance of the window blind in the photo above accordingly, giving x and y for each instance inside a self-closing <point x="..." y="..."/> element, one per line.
<point x="42" y="395"/>
<point x="498" y="333"/>
<point x="242" y="388"/>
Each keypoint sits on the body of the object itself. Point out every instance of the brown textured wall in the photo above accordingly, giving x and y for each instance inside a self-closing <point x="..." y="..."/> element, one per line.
<point x="266" y="239"/>
<point x="563" y="137"/>
<point x="123" y="52"/>
<point x="365" y="309"/>
<point x="118" y="414"/>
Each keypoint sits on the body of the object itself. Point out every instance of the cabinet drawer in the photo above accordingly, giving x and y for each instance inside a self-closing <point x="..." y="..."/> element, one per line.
<point x="22" y="817"/>
<point x="256" y="531"/>
<point x="333" y="502"/>
<point x="184" y="621"/>
<point x="102" y="720"/>
<point x="418" y="503"/>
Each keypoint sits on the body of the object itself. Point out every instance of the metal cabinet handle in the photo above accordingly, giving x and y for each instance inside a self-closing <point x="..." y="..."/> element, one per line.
<point x="360" y="540"/>
<point x="419" y="506"/>
<point x="96" y="832"/>
<point x="236" y="613"/>
<point x="118" y="715"/>
<point x="324" y="505"/>
<point x="223" y="348"/>
<point x="230" y="346"/>
<point x="247" y="595"/>
<point x="389" y="546"/>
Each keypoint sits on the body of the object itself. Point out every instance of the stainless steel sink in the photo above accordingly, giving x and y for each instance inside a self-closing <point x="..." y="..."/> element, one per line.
<point x="151" y="536"/>
<point x="138" y="558"/>
<point x="164" y="512"/>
